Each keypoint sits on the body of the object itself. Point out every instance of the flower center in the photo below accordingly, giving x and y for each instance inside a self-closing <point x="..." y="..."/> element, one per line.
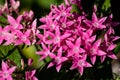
<point x="15" y="26"/>
<point x="57" y="40"/>
<point x="6" y="74"/>
<point x="57" y="60"/>
<point x="64" y="25"/>
<point x="2" y="34"/>
<point x="76" y="49"/>
<point x="80" y="63"/>
<point x="92" y="50"/>
<point x="47" y="53"/>
<point x="95" y="24"/>
<point x="52" y="26"/>
<point x="24" y="38"/>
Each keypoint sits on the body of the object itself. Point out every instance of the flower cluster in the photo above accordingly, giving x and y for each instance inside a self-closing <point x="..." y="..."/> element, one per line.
<point x="64" y="36"/>
<point x="73" y="37"/>
<point x="18" y="30"/>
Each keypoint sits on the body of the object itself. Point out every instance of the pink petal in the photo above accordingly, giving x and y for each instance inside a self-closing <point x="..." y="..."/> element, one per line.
<point x="11" y="70"/>
<point x="27" y="42"/>
<point x="44" y="47"/>
<point x="88" y="23"/>
<point x="97" y="44"/>
<point x="34" y="23"/>
<point x="87" y="64"/>
<point x="74" y="66"/>
<point x="101" y="53"/>
<point x="9" y="78"/>
<point x="89" y="32"/>
<point x="60" y="52"/>
<point x="112" y="56"/>
<point x="57" y="31"/>
<point x="58" y="67"/>
<point x="52" y="55"/>
<point x="102" y="58"/>
<point x="93" y="38"/>
<point x="78" y="42"/>
<point x="4" y="66"/>
<point x="50" y="65"/>
<point x="30" y="61"/>
<point x="11" y="20"/>
<point x="93" y="59"/>
<point x="19" y="18"/>
<point x="102" y="26"/>
<point x="34" y="78"/>
<point x="111" y="47"/>
<point x="80" y="69"/>
<point x="33" y="72"/>
<point x="102" y="20"/>
<point x="94" y="17"/>
<point x="64" y="59"/>
<point x="65" y="35"/>
<point x="70" y="44"/>
<point x="81" y="50"/>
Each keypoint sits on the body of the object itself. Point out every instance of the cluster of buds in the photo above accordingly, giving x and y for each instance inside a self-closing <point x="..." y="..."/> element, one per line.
<point x="64" y="36"/>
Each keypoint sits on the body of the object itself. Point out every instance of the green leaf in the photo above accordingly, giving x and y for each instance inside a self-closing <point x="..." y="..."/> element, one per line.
<point x="117" y="49"/>
<point x="6" y="49"/>
<point x="16" y="58"/>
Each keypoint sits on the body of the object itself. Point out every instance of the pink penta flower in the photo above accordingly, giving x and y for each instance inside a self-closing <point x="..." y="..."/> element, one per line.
<point x="79" y="63"/>
<point x="3" y="34"/>
<point x="6" y="72"/>
<point x="87" y="37"/>
<point x="33" y="31"/>
<point x="50" y="24"/>
<point x="61" y="11"/>
<point x="58" y="37"/>
<point x="96" y="23"/>
<point x="58" y="60"/>
<point x="29" y="75"/>
<point x="108" y="49"/>
<point x="45" y="51"/>
<point x="94" y="50"/>
<point x="23" y="38"/>
<point x="75" y="48"/>
<point x="14" y="4"/>
<point x="14" y="23"/>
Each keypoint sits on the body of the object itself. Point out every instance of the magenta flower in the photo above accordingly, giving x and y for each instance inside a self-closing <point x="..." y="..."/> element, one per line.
<point x="28" y="16"/>
<point x="50" y="24"/>
<point x="33" y="31"/>
<point x="94" y="50"/>
<point x="75" y="49"/>
<point x="58" y="60"/>
<point x="108" y="50"/>
<point x="6" y="72"/>
<point x="15" y="4"/>
<point x="96" y="23"/>
<point x="59" y="37"/>
<point x="29" y="75"/>
<point x="3" y="34"/>
<point x="45" y="51"/>
<point x="79" y="63"/>
<point x="87" y="37"/>
<point x="61" y="11"/>
<point x="23" y="38"/>
<point x="14" y="23"/>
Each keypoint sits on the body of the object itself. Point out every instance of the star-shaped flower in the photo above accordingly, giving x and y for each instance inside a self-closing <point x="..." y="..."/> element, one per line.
<point x="29" y="75"/>
<point x="79" y="63"/>
<point x="58" y="60"/>
<point x="96" y="23"/>
<point x="6" y="72"/>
